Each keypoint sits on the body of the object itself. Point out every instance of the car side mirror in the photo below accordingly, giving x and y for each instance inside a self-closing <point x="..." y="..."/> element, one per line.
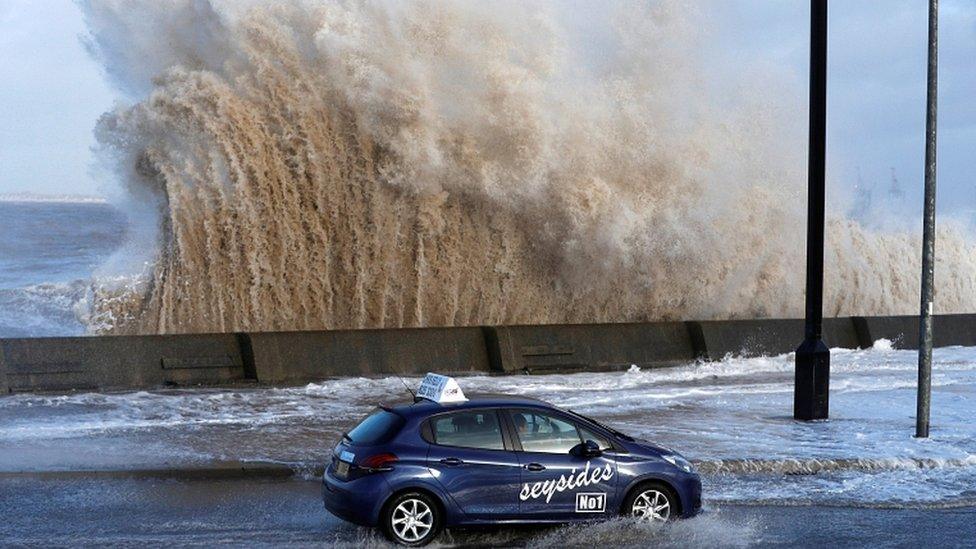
<point x="588" y="449"/>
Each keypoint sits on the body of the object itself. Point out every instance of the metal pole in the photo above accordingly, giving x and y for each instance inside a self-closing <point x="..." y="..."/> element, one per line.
<point x="928" y="232"/>
<point x="812" y="384"/>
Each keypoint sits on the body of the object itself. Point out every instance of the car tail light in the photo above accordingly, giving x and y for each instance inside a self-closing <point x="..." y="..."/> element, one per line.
<point x="379" y="462"/>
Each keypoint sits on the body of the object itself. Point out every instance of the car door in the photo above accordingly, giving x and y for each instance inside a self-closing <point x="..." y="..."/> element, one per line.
<point x="472" y="459"/>
<point x="557" y="485"/>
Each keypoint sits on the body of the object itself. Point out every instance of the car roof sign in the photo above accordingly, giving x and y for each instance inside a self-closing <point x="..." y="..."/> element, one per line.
<point x="440" y="389"/>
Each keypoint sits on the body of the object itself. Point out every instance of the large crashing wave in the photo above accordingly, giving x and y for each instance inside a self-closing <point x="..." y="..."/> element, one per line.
<point x="376" y="164"/>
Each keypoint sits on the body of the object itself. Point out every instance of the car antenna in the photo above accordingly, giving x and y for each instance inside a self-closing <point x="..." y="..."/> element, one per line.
<point x="409" y="390"/>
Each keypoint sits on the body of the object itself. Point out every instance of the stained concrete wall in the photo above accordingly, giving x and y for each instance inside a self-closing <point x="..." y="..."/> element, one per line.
<point x="297" y="357"/>
<point x="720" y="338"/>
<point x="4" y="388"/>
<point x="100" y="363"/>
<point x="104" y="363"/>
<point x="539" y="349"/>
<point x="903" y="330"/>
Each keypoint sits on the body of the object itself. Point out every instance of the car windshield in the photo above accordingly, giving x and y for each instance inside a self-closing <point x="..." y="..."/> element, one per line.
<point x="604" y="426"/>
<point x="378" y="427"/>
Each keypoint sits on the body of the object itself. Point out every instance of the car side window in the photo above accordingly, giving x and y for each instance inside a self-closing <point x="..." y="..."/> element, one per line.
<point x="479" y="430"/>
<point x="587" y="434"/>
<point x="544" y="433"/>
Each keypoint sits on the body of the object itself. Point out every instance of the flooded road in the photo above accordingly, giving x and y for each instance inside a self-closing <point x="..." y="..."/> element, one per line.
<point x="731" y="417"/>
<point x="254" y="513"/>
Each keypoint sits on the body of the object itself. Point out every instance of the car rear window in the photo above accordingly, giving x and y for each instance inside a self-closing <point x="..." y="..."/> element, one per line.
<point x="478" y="430"/>
<point x="379" y="426"/>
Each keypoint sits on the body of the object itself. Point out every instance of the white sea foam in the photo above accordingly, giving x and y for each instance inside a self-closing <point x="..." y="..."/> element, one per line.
<point x="41" y="309"/>
<point x="49" y="198"/>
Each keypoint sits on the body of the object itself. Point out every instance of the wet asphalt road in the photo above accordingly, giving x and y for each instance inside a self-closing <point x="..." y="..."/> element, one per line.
<point x="128" y="512"/>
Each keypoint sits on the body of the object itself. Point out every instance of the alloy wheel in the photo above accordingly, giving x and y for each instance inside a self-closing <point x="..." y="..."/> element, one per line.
<point x="411" y="520"/>
<point x="652" y="505"/>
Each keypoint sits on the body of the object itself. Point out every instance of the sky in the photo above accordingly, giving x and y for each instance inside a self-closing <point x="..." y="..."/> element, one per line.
<point x="52" y="92"/>
<point x="51" y="95"/>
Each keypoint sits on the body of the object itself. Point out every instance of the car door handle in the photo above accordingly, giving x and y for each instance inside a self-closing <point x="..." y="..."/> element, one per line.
<point x="535" y="467"/>
<point x="452" y="461"/>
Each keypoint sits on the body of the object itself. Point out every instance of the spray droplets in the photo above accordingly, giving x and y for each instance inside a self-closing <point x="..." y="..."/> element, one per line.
<point x="368" y="164"/>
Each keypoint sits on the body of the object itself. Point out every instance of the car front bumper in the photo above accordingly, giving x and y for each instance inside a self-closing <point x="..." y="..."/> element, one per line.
<point x="690" y="492"/>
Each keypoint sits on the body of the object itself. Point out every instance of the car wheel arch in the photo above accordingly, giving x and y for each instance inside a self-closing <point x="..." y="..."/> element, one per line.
<point x="432" y="494"/>
<point x="650" y="481"/>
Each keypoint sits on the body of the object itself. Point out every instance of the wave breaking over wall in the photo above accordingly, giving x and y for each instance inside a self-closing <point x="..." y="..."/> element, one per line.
<point x="383" y="164"/>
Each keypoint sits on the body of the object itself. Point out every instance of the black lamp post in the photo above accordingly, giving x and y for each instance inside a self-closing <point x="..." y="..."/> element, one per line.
<point x="812" y="386"/>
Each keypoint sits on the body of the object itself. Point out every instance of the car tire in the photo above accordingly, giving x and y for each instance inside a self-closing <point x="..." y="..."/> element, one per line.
<point x="412" y="519"/>
<point x="652" y="501"/>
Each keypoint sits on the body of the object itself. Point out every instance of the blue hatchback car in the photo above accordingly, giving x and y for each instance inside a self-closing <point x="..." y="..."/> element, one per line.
<point x="415" y="468"/>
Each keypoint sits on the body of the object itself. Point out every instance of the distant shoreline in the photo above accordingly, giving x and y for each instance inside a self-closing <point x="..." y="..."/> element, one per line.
<point x="41" y="198"/>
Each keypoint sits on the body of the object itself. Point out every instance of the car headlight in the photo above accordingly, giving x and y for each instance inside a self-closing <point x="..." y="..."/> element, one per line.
<point x="679" y="462"/>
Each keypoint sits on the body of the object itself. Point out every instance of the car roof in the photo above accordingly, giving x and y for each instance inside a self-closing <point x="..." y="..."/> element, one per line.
<point x="426" y="407"/>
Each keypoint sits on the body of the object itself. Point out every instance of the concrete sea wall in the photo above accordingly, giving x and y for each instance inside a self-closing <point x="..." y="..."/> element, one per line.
<point x="284" y="358"/>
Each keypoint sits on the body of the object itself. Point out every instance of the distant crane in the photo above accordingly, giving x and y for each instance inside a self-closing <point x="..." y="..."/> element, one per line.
<point x="862" y="199"/>
<point x="895" y="192"/>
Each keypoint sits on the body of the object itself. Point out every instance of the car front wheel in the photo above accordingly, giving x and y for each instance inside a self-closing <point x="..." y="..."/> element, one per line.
<point x="652" y="502"/>
<point x="412" y="519"/>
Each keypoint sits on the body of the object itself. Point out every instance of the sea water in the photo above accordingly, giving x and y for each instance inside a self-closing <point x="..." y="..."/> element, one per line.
<point x="48" y="253"/>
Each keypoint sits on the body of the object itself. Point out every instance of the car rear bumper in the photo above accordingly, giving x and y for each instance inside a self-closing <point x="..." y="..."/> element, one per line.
<point x="357" y="501"/>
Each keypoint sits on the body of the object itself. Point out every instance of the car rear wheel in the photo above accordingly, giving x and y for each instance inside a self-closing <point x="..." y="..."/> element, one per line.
<point x="651" y="502"/>
<point x="412" y="519"/>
